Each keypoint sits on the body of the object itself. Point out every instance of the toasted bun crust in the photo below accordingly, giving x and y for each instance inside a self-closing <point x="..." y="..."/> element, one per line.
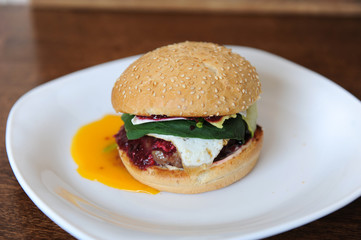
<point x="187" y="79"/>
<point x="219" y="175"/>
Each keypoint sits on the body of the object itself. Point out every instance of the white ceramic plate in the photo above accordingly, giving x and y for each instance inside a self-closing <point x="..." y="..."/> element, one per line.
<point x="309" y="167"/>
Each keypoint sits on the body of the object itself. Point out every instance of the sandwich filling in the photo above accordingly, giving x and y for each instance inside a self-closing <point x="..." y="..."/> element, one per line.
<point x="184" y="142"/>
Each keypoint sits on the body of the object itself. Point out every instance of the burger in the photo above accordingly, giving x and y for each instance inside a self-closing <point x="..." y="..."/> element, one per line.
<point x="189" y="111"/>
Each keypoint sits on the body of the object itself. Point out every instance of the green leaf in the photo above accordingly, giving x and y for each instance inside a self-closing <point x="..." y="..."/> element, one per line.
<point x="233" y="128"/>
<point x="110" y="147"/>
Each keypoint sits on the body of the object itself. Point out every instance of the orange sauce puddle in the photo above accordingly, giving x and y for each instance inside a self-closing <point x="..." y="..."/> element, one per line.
<point x="93" y="149"/>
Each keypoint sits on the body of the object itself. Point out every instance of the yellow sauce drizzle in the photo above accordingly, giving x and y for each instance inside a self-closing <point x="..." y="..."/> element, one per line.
<point x="92" y="150"/>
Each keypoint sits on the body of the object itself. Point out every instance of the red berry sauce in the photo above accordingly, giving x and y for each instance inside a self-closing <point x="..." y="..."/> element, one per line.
<point x="140" y="150"/>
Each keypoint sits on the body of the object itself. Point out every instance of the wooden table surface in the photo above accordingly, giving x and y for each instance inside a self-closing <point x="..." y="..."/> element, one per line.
<point x="37" y="46"/>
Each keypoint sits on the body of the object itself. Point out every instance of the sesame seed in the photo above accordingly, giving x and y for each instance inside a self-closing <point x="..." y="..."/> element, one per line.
<point x="179" y="92"/>
<point x="164" y="84"/>
<point x="227" y="109"/>
<point x="183" y="85"/>
<point x="198" y="96"/>
<point x="233" y="104"/>
<point x="179" y="106"/>
<point x="191" y="102"/>
<point x="202" y="91"/>
<point x="182" y="99"/>
<point x="215" y="90"/>
<point x="203" y="82"/>
<point x="205" y="78"/>
<point x="182" y="75"/>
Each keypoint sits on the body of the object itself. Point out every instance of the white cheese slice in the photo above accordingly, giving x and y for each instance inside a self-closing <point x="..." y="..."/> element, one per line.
<point x="136" y="120"/>
<point x="194" y="151"/>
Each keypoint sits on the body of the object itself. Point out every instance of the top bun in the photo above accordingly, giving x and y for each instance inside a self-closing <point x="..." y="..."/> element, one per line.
<point x="189" y="79"/>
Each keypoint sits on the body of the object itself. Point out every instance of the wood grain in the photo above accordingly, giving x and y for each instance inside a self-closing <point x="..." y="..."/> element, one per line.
<point x="333" y="7"/>
<point x="37" y="46"/>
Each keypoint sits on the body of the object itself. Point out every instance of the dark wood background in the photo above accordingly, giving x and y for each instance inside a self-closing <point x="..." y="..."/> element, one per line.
<point x="39" y="45"/>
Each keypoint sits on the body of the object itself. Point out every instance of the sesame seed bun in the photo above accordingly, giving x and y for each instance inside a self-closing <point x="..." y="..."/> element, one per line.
<point x="187" y="79"/>
<point x="220" y="174"/>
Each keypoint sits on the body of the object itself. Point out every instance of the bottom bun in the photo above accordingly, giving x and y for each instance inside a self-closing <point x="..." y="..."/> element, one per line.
<point x="220" y="174"/>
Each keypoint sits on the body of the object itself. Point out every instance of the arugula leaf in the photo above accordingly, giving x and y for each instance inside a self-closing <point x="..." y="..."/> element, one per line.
<point x="233" y="128"/>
